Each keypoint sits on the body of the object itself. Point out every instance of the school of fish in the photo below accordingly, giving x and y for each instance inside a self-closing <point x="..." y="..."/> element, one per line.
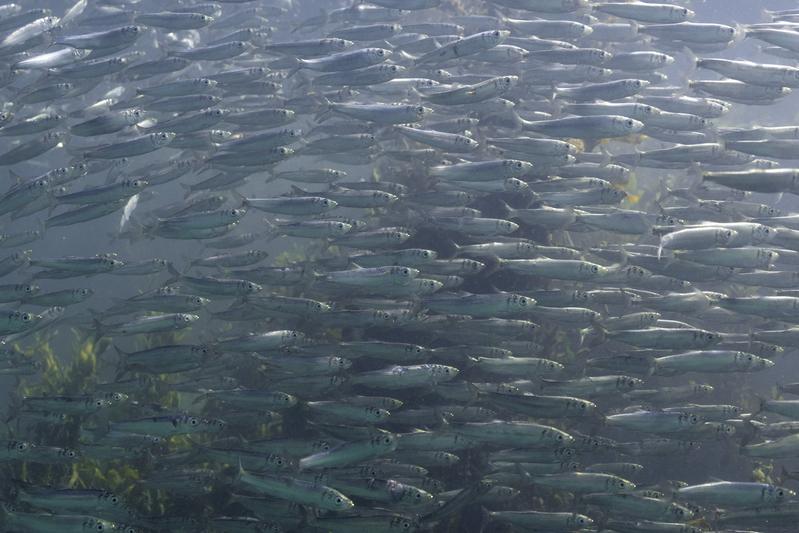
<point x="398" y="265"/>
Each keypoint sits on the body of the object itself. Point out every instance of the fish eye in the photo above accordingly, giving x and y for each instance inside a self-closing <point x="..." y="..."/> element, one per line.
<point x="507" y="79"/>
<point x="496" y="33"/>
<point x="420" y="109"/>
<point x="594" y="269"/>
<point x="193" y="421"/>
<point x="630" y="123"/>
<point x="22" y="446"/>
<point x="26" y="317"/>
<point x="100" y="527"/>
<point x="380" y="52"/>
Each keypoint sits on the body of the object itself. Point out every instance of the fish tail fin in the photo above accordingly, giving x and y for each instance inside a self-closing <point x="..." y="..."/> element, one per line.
<point x="508" y="211"/>
<point x="740" y="33"/>
<point x="590" y="144"/>
<point x="601" y="335"/>
<point x="239" y="470"/>
<point x="122" y="364"/>
<point x="174" y="273"/>
<point x="450" y="248"/>
<point x="325" y="113"/>
<point x="187" y="190"/>
<point x="271" y="230"/>
<point x="761" y="405"/>
<point x="607" y="157"/>
<point x="14" y="177"/>
<point x="785" y="474"/>
<point x="299" y="64"/>
<point x="298" y="191"/>
<point x="98" y="329"/>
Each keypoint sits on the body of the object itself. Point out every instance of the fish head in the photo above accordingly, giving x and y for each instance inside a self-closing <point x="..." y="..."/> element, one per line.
<point x="384" y="198"/>
<point x="514" y="185"/>
<point x="444" y="372"/>
<point x="680" y="513"/>
<point x="515" y="167"/>
<point x="162" y="138"/>
<point x="98" y="525"/>
<point x="220" y="136"/>
<point x="522" y="302"/>
<point x="396" y="70"/>
<point x="379" y="54"/>
<point x="780" y="493"/>
<point x="292" y="133"/>
<point x="257" y="254"/>
<point x="29" y="289"/>
<point x="136" y="184"/>
<point x="117" y="397"/>
<point x="645" y="110"/>
<point x="101" y="403"/>
<point x="579" y="521"/>
<point x="680" y="14"/>
<point x="387" y="440"/>
<point x="283" y="151"/>
<point x="21" y="257"/>
<point x="420" y="112"/>
<point x="496" y="36"/>
<point x="214" y="425"/>
<point x="404" y="273"/>
<point x="340" y="228"/>
<point x="759" y="362"/>
<point x="326" y="203"/>
<point x="762" y="233"/>
<point x="335" y="500"/>
<point x="242" y="47"/>
<point x="636" y="85"/>
<point x="725" y="32"/>
<point x="338" y="44"/>
<point x="186" y="318"/>
<point x="19" y="316"/>
<point x="725" y="235"/>
<point x="339" y="363"/>
<point x="201" y="18"/>
<point x="133" y="116"/>
<point x="503" y="226"/>
<point x="598" y="56"/>
<point x="217" y="113"/>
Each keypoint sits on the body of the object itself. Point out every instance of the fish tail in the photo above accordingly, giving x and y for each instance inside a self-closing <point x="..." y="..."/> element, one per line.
<point x="98" y="329"/>
<point x="325" y="113"/>
<point x="485" y="518"/>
